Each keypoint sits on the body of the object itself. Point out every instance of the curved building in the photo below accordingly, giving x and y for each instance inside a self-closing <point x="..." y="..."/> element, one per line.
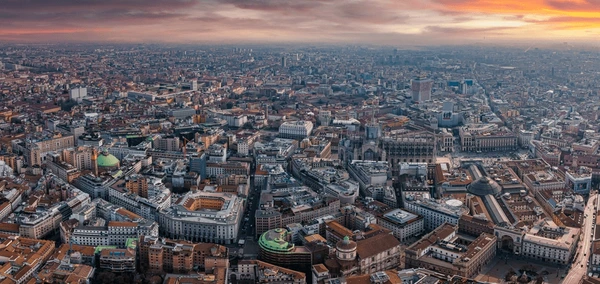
<point x="347" y="191"/>
<point x="484" y="186"/>
<point x="276" y="247"/>
<point x="211" y="217"/>
<point x="346" y="249"/>
<point x="275" y="241"/>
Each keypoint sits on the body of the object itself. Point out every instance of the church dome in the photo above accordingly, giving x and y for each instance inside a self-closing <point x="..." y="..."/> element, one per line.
<point x="106" y="160"/>
<point x="346" y="249"/>
<point x="346" y="244"/>
<point x="484" y="186"/>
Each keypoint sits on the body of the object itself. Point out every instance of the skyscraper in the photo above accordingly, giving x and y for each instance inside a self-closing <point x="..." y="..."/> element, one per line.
<point x="421" y="89"/>
<point x="283" y="62"/>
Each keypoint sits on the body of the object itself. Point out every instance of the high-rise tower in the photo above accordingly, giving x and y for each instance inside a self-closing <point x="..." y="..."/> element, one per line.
<point x="421" y="89"/>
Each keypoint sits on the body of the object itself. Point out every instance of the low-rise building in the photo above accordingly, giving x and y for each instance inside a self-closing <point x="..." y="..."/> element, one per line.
<point x="36" y="221"/>
<point x="595" y="263"/>
<point x="369" y="173"/>
<point x="95" y="186"/>
<point x="26" y="255"/>
<point x="579" y="180"/>
<point x="446" y="251"/>
<point x="402" y="223"/>
<point x="437" y="212"/>
<point x="55" y="271"/>
<point x="158" y="197"/>
<point x="487" y="138"/>
<point x="263" y="272"/>
<point x="366" y="256"/>
<point x="118" y="260"/>
<point x="298" y="204"/>
<point x="178" y="256"/>
<point x="295" y="129"/>
<point x="544" y="241"/>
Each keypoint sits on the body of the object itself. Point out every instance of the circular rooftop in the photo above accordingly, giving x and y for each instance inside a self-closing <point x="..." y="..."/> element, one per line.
<point x="454" y="203"/>
<point x="346" y="244"/>
<point x="107" y="160"/>
<point x="276" y="240"/>
<point x="484" y="186"/>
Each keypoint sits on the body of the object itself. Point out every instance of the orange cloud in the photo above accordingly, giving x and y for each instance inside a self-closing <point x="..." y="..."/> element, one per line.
<point x="355" y="21"/>
<point x="491" y="6"/>
<point x="575" y="8"/>
<point x="548" y="15"/>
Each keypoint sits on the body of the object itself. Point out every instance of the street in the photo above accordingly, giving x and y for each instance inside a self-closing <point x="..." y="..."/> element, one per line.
<point x="247" y="229"/>
<point x="580" y="264"/>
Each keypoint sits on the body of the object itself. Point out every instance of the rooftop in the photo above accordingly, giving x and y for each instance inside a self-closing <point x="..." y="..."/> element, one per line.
<point x="107" y="160"/>
<point x="276" y="240"/>
<point x="484" y="186"/>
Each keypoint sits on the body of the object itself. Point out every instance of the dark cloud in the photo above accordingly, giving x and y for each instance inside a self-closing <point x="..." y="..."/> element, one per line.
<point x="93" y="5"/>
<point x="585" y="6"/>
<point x="85" y="13"/>
<point x="464" y="31"/>
<point x="260" y="20"/>
<point x="277" y="5"/>
<point x="368" y="12"/>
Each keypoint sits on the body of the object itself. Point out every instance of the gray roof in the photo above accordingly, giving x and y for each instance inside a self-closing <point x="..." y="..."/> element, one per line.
<point x="484" y="186"/>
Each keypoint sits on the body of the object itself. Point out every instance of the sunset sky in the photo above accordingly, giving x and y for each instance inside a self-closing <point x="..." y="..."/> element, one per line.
<point x="398" y="22"/>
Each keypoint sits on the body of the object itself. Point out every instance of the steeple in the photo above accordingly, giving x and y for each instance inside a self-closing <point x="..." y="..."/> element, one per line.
<point x="372" y="128"/>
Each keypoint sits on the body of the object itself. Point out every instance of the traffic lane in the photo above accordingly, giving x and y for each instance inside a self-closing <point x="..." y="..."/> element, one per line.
<point x="581" y="265"/>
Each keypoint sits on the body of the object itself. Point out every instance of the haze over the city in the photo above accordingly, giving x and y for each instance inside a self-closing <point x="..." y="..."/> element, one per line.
<point x="406" y="22"/>
<point x="299" y="141"/>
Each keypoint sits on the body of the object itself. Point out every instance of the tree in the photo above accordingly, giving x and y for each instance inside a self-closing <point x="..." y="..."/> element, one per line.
<point x="509" y="275"/>
<point x="105" y="277"/>
<point x="229" y="105"/>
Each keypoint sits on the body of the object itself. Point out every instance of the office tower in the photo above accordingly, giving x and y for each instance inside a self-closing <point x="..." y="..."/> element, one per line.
<point x="283" y="62"/>
<point x="78" y="94"/>
<point x="421" y="89"/>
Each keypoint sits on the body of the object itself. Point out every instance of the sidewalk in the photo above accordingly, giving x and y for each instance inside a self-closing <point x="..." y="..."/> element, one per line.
<point x="496" y="270"/>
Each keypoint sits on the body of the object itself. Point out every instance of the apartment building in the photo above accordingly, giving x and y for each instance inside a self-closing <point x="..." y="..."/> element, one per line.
<point x="178" y="256"/>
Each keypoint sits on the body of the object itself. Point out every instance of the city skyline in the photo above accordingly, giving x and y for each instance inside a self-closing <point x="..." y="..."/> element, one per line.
<point x="411" y="22"/>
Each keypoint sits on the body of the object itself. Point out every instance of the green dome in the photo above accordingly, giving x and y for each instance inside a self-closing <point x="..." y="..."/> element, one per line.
<point x="276" y="240"/>
<point x="107" y="160"/>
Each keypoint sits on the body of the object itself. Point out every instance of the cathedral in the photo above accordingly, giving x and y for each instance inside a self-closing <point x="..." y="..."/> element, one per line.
<point x="410" y="147"/>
